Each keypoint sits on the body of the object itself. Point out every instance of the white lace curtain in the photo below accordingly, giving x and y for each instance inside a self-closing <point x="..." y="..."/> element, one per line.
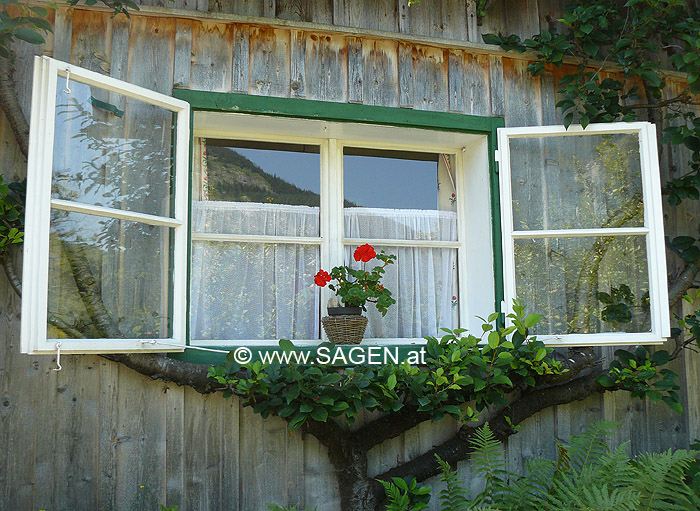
<point x="266" y="291"/>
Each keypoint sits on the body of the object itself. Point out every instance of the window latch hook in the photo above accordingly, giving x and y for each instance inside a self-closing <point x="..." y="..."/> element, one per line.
<point x="67" y="89"/>
<point x="58" y="357"/>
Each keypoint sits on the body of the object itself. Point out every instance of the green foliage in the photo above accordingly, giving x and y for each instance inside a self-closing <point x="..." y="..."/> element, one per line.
<point x="587" y="476"/>
<point x="19" y="21"/>
<point x="642" y="374"/>
<point x="11" y="214"/>
<point x="687" y="248"/>
<point x="619" y="304"/>
<point x="406" y="494"/>
<point x="461" y="376"/>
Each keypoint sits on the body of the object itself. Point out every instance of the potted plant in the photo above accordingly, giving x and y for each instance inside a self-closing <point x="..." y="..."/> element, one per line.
<point x="355" y="288"/>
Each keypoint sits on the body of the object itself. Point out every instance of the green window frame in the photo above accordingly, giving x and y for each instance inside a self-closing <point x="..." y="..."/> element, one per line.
<point x="203" y="101"/>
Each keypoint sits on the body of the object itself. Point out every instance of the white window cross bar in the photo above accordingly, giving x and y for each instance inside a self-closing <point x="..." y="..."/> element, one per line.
<point x="580" y="233"/>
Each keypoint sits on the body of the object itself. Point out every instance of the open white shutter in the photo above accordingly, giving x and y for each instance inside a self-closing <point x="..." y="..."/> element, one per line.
<point x="105" y="251"/>
<point x="583" y="241"/>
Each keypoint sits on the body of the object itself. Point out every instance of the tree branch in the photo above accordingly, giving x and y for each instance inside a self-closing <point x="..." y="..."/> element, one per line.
<point x="458" y="448"/>
<point x="678" y="286"/>
<point x="11" y="107"/>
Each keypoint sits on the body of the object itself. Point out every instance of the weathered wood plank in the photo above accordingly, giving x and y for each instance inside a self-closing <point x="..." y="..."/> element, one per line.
<point x="175" y="442"/>
<point x="355" y="80"/>
<point x="406" y="81"/>
<point x="230" y="451"/>
<point x="456" y="81"/>
<point x="28" y="459"/>
<point x="692" y="382"/>
<point x="264" y="471"/>
<point x="313" y="12"/>
<point x="430" y="64"/>
<point x="404" y="16"/>
<point x="326" y="68"/>
<point x="511" y="17"/>
<point x="151" y="52"/>
<point x="320" y="484"/>
<point x="269" y="64"/>
<point x="183" y="54"/>
<point x="241" y="59"/>
<point x="140" y="439"/>
<point x="213" y="467"/>
<point x="119" y="51"/>
<point x="107" y="452"/>
<point x="381" y="73"/>
<point x="195" y="453"/>
<point x="243" y="7"/>
<point x="476" y="84"/>
<point x="297" y="64"/>
<point x="63" y="34"/>
<point x="212" y="46"/>
<point x="440" y="18"/>
<point x="77" y="431"/>
<point x="377" y="14"/>
<point x="294" y="461"/>
<point x="521" y="95"/>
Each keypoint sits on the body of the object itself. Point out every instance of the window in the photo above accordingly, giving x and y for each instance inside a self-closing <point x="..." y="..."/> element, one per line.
<point x="276" y="199"/>
<point x="583" y="232"/>
<point x="120" y="255"/>
<point x="106" y="217"/>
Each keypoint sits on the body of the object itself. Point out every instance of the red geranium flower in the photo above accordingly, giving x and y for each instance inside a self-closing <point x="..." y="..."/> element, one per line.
<point x="322" y="278"/>
<point x="365" y="253"/>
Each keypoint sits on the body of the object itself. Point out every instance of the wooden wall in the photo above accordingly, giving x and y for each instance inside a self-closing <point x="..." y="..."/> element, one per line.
<point x="98" y="436"/>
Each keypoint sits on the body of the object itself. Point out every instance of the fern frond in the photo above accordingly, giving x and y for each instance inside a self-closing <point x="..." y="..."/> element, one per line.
<point x="455" y="497"/>
<point x="660" y="480"/>
<point x="397" y="501"/>
<point x="567" y="494"/>
<point x="488" y="461"/>
<point x="590" y="446"/>
<point x="530" y="490"/>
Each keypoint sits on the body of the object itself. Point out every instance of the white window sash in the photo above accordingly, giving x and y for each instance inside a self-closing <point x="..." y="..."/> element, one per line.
<point x="39" y="204"/>
<point x="652" y="229"/>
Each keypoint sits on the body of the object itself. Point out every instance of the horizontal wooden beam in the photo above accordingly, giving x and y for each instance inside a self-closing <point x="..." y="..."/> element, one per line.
<point x="323" y="28"/>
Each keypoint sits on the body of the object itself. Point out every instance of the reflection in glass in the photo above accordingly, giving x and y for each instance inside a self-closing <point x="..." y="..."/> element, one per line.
<point x="423" y="281"/>
<point x="399" y="195"/>
<point x="254" y="291"/>
<point x="565" y="276"/>
<point x="256" y="188"/>
<point x="112" y="151"/>
<point x="576" y="182"/>
<point x="109" y="272"/>
<point x="391" y="179"/>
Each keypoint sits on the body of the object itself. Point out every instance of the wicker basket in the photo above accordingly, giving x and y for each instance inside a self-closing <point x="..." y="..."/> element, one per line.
<point x="345" y="329"/>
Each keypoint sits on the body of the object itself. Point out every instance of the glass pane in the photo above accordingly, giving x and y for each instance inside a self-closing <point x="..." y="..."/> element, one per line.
<point x="112" y="151"/>
<point x="111" y="272"/>
<point x="256" y="188"/>
<point x="423" y="281"/>
<point x="562" y="278"/>
<point x="399" y="195"/>
<point x="254" y="291"/>
<point x="576" y="182"/>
